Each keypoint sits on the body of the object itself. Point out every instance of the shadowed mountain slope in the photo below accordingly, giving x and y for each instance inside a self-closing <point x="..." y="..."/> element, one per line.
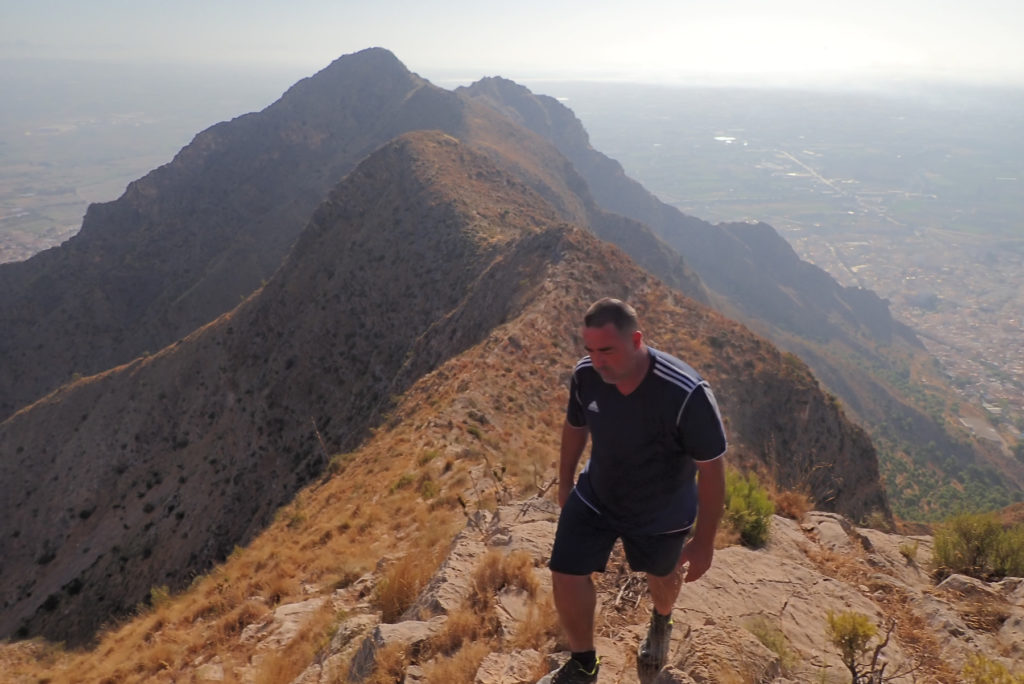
<point x="187" y="241"/>
<point x="146" y="474"/>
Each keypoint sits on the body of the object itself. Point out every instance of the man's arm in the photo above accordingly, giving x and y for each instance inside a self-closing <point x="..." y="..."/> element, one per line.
<point x="700" y="550"/>
<point x="574" y="439"/>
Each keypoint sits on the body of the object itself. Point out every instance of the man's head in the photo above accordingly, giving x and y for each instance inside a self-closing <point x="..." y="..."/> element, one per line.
<point x="612" y="337"/>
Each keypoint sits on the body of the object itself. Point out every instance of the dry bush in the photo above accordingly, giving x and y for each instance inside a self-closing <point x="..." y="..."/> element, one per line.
<point x="497" y="571"/>
<point x="390" y="664"/>
<point x="460" y="667"/>
<point x="791" y="504"/>
<point x="463" y="626"/>
<point x="538" y="628"/>
<point x="231" y="624"/>
<point x="279" y="587"/>
<point x="401" y="584"/>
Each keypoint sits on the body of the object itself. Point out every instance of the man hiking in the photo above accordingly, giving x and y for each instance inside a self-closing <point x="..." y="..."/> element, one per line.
<point x="657" y="446"/>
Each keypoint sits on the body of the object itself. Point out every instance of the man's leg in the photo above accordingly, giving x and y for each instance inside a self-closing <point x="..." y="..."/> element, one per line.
<point x="658" y="556"/>
<point x="665" y="590"/>
<point x="576" y="601"/>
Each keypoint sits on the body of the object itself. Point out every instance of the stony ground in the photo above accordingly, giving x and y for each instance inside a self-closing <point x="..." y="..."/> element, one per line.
<point x="756" y="616"/>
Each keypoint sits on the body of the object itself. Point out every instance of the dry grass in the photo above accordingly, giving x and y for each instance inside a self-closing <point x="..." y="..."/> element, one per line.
<point x="286" y="664"/>
<point x="338" y="528"/>
<point x="402" y="583"/>
<point x="389" y="665"/>
<point x="461" y="666"/>
<point x="791" y="504"/>
<point x="464" y="626"/>
<point x="539" y="628"/>
<point x="497" y="571"/>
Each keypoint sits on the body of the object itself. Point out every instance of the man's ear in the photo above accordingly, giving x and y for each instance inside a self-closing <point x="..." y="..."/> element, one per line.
<point x="638" y="339"/>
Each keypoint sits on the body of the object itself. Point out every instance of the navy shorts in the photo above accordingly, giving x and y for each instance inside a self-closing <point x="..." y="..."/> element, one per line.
<point x="584" y="541"/>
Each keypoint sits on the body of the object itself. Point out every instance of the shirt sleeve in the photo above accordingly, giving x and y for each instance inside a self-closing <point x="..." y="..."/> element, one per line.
<point x="574" y="413"/>
<point x="700" y="426"/>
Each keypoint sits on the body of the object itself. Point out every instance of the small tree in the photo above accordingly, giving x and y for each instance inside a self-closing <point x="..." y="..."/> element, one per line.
<point x="852" y="633"/>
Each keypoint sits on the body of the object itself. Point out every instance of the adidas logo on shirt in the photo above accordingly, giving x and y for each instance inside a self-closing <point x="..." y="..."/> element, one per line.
<point x="593" y="407"/>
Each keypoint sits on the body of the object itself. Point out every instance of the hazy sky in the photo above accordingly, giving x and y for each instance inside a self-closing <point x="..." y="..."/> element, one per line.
<point x="664" y="40"/>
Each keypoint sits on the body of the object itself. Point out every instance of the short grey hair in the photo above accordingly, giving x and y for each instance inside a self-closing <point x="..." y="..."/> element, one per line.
<point x="614" y="311"/>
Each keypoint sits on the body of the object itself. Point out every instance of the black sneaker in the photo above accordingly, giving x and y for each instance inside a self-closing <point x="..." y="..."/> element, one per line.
<point x="572" y="673"/>
<point x="652" y="654"/>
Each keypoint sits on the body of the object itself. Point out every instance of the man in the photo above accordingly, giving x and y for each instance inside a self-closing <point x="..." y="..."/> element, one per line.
<point x="656" y="458"/>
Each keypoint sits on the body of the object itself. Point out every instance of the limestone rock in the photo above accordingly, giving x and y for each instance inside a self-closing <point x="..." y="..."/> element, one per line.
<point x="282" y="626"/>
<point x="726" y="652"/>
<point x="411" y="633"/>
<point x="518" y="667"/>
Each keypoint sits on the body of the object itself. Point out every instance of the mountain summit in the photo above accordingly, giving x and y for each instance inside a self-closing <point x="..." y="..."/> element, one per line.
<point x="187" y="241"/>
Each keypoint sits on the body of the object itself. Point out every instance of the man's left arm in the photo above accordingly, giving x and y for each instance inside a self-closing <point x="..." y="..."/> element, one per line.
<point x="700" y="549"/>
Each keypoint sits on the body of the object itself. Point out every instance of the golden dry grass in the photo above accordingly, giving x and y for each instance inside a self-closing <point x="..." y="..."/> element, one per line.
<point x="792" y="504"/>
<point x="285" y="664"/>
<point x="339" y="528"/>
<point x="461" y="666"/>
<point x="402" y="582"/>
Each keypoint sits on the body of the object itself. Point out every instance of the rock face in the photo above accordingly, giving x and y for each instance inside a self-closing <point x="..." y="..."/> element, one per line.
<point x="756" y="616"/>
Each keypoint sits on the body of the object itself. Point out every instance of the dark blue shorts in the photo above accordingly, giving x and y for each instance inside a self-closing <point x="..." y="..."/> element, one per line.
<point x="584" y="541"/>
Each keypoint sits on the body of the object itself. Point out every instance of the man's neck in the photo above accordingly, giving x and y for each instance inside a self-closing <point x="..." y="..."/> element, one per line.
<point x="643" y="361"/>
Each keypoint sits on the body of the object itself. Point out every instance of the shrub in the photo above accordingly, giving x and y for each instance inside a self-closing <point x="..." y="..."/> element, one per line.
<point x="976" y="544"/>
<point x="401" y="584"/>
<point x="793" y="505"/>
<point x="772" y="637"/>
<point x="980" y="670"/>
<point x="748" y="508"/>
<point x="909" y="550"/>
<point x="852" y="633"/>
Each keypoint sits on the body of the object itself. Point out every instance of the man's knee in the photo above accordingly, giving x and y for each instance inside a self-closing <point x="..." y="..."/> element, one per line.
<point x="562" y="580"/>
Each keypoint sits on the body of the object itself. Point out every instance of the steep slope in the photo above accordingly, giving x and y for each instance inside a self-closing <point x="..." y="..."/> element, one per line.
<point x="846" y="334"/>
<point x="187" y="241"/>
<point x="144" y="475"/>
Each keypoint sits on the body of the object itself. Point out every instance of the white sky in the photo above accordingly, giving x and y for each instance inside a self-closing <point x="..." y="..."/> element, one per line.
<point x="651" y="40"/>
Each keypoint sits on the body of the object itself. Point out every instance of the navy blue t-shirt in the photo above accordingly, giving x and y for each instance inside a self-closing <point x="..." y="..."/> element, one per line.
<point x="641" y="472"/>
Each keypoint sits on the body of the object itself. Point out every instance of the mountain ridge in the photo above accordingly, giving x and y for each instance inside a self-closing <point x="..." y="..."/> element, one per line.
<point x="419" y="254"/>
<point x="185" y="242"/>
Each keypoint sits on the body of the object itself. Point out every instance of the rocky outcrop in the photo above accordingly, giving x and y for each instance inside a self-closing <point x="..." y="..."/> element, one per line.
<point x="756" y="616"/>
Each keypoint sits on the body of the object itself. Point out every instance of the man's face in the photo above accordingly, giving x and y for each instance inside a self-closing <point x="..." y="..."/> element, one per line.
<point x="612" y="353"/>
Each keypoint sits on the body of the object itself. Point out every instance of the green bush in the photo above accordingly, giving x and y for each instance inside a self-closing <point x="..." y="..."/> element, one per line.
<point x="748" y="508"/>
<point x="978" y="545"/>
<point x="980" y="670"/>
